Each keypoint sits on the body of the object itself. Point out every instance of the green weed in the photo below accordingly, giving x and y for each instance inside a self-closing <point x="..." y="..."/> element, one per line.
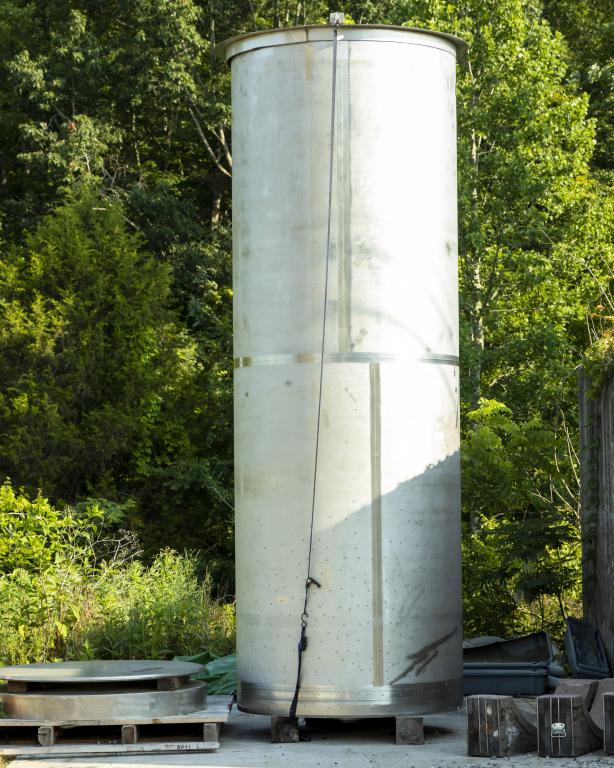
<point x="88" y="596"/>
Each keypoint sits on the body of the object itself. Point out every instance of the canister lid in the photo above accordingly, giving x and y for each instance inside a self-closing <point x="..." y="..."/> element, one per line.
<point x="323" y="32"/>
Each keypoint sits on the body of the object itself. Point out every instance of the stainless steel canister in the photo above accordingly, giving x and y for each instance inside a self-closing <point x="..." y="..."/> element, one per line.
<point x="384" y="630"/>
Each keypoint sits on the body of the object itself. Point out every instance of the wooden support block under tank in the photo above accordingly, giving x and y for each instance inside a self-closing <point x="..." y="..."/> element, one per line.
<point x="16" y="686"/>
<point x="171" y="683"/>
<point x="409" y="730"/>
<point x="284" y="730"/>
<point x="497" y="728"/>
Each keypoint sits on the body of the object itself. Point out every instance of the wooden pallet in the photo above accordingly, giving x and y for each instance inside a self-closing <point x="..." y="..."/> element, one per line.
<point x="196" y="732"/>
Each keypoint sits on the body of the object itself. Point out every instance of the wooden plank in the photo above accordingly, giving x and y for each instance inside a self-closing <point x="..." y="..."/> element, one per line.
<point x="67" y="749"/>
<point x="118" y="736"/>
<point x="211" y="731"/>
<point x="597" y="507"/>
<point x="127" y="738"/>
<point x="543" y="734"/>
<point x="565" y="714"/>
<point x="492" y="727"/>
<point x="474" y="744"/>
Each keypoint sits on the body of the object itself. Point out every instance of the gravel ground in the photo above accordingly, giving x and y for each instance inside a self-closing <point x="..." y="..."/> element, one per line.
<point x="245" y="743"/>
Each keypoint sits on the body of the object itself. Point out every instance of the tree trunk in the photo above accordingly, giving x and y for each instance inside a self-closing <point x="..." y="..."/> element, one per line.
<point x="216" y="208"/>
<point x="475" y="288"/>
<point x="476" y="322"/>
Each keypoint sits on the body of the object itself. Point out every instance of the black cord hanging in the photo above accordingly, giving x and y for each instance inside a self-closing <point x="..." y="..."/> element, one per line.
<point x="310" y="581"/>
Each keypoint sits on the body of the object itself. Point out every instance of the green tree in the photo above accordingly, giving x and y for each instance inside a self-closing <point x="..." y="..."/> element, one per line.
<point x="521" y="542"/>
<point x="86" y="350"/>
<point x="131" y="99"/>
<point x="100" y="389"/>
<point x="524" y="148"/>
<point x="35" y="536"/>
<point x="531" y="254"/>
<point x="589" y="32"/>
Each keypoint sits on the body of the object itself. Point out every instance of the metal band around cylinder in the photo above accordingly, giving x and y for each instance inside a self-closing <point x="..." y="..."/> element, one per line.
<point x="249" y="361"/>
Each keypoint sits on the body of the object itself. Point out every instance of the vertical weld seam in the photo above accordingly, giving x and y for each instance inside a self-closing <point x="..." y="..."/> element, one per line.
<point x="343" y="181"/>
<point x="376" y="523"/>
<point x="347" y="208"/>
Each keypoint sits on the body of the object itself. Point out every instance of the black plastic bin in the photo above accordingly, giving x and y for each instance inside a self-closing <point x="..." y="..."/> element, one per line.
<point x="516" y="667"/>
<point x="505" y="679"/>
<point x="585" y="650"/>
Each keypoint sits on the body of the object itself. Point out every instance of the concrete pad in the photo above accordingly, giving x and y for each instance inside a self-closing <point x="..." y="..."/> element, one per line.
<point x="245" y="742"/>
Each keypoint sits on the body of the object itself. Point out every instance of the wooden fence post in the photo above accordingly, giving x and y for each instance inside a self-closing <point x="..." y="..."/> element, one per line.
<point x="597" y="506"/>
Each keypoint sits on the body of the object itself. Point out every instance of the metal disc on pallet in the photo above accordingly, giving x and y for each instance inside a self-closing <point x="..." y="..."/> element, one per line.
<point x="91" y="690"/>
<point x="102" y="702"/>
<point x="75" y="672"/>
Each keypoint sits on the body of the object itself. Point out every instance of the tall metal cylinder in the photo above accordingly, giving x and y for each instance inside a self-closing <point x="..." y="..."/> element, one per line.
<point x="384" y="630"/>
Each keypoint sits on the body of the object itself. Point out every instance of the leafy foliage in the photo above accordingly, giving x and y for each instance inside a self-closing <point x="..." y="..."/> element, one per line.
<point x="72" y="592"/>
<point x="521" y="522"/>
<point x="115" y="279"/>
<point x="588" y="29"/>
<point x="86" y="351"/>
<point x="103" y="392"/>
<point x="155" y="612"/>
<point x="34" y="536"/>
<point x="599" y="357"/>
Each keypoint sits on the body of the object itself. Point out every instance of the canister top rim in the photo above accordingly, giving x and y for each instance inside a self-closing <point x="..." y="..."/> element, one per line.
<point x="267" y="38"/>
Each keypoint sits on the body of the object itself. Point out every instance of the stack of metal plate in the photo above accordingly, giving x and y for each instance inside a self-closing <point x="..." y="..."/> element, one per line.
<point x="91" y="690"/>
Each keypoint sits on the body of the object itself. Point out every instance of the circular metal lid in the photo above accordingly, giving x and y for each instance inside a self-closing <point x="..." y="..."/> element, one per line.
<point x="98" y="671"/>
<point x="323" y="32"/>
<point x="99" y="703"/>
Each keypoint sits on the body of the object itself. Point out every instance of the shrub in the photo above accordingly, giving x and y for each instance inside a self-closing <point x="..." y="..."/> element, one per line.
<point x="71" y="592"/>
<point x="34" y="535"/>
<point x="521" y="536"/>
<point x="156" y="612"/>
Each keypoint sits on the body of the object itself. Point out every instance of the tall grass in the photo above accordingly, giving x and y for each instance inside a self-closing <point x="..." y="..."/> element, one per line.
<point x="112" y="610"/>
<point x="84" y="594"/>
